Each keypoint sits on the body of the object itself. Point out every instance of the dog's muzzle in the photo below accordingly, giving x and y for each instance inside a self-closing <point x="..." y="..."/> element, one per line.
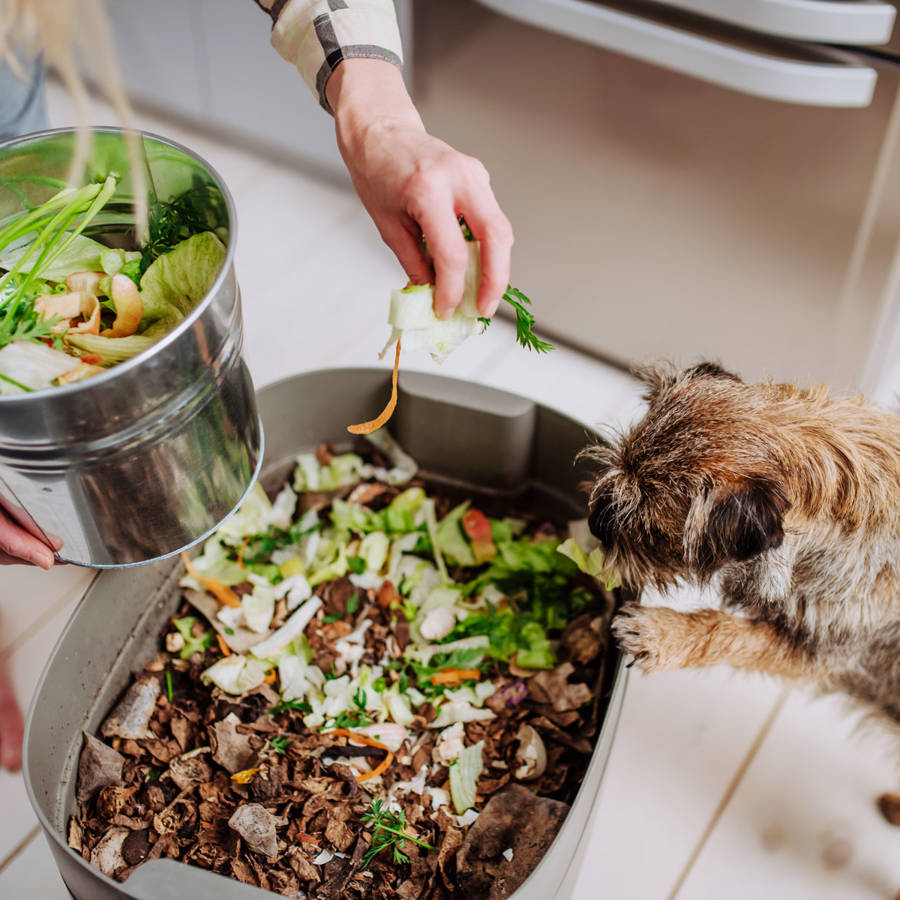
<point x="602" y="519"/>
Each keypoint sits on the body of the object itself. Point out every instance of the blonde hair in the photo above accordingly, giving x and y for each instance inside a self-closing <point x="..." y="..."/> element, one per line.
<point x="57" y="30"/>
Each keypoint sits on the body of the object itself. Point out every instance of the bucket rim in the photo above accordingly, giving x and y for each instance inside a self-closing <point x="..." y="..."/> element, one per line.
<point x="225" y="272"/>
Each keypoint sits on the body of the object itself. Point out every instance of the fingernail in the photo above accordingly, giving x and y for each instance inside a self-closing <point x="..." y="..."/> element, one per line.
<point x="493" y="306"/>
<point x="42" y="558"/>
<point x="444" y="313"/>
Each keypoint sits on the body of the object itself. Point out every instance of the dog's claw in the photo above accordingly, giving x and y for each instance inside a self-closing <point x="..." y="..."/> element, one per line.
<point x="635" y="631"/>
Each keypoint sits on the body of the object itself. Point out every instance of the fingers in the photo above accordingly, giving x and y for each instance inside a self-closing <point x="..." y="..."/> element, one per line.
<point x="11" y="727"/>
<point x="406" y="242"/>
<point x="489" y="226"/>
<point x="448" y="250"/>
<point x="19" y="546"/>
<point x="460" y="185"/>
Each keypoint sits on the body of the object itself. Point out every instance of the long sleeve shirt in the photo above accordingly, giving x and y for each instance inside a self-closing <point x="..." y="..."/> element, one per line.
<point x="317" y="35"/>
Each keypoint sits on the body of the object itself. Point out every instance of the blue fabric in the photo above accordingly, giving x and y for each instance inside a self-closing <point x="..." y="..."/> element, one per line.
<point x="23" y="108"/>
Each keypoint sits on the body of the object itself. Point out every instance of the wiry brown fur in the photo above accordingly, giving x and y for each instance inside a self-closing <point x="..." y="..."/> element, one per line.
<point x="791" y="499"/>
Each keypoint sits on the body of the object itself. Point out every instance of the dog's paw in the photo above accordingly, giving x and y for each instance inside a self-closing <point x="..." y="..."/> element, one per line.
<point x="645" y="632"/>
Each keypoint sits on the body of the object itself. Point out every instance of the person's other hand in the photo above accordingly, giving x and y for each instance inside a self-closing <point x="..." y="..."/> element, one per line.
<point x="11" y="727"/>
<point x="413" y="184"/>
<point x="18" y="546"/>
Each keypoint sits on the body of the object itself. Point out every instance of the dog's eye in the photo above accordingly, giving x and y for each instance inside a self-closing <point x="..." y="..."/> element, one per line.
<point x="602" y="519"/>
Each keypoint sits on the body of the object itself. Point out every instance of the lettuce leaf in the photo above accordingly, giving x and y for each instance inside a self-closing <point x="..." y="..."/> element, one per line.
<point x="450" y="539"/>
<point x="111" y="350"/>
<point x="592" y="563"/>
<point x="83" y="254"/>
<point x="176" y="281"/>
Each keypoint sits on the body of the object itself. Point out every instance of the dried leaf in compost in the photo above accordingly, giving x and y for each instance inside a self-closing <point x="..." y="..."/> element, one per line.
<point x="98" y="767"/>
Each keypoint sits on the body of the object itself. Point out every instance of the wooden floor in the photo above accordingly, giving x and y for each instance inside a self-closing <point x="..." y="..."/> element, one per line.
<point x="315" y="280"/>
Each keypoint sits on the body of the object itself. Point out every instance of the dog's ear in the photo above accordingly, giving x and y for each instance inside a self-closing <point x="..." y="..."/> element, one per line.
<point x="656" y="379"/>
<point x="710" y="369"/>
<point x="660" y="377"/>
<point x="734" y="524"/>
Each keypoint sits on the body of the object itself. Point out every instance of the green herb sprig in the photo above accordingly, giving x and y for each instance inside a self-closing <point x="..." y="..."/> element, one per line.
<point x="525" y="322"/>
<point x="54" y="226"/>
<point x="514" y="297"/>
<point x="388" y="832"/>
<point x="356" y="717"/>
<point x="295" y="704"/>
<point x="280" y="744"/>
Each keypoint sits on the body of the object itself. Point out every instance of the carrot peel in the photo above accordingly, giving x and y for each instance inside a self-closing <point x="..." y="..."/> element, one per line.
<point x="388" y="411"/>
<point x="454" y="676"/>
<point x="215" y="586"/>
<point x="382" y="767"/>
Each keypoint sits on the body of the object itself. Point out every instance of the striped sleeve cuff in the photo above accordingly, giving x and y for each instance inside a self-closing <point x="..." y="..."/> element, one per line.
<point x="317" y="35"/>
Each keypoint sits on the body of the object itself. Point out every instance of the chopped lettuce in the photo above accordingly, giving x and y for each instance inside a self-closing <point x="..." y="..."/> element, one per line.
<point x="450" y="538"/>
<point x="259" y="607"/>
<point x="251" y="518"/>
<point x="464" y="775"/>
<point x="213" y="562"/>
<point x="592" y="563"/>
<point x="235" y="674"/>
<point x="343" y="470"/>
<point x="184" y="626"/>
<point x="373" y="549"/>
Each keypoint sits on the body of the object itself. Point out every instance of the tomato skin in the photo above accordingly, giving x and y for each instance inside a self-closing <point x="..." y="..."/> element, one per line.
<point x="476" y="526"/>
<point x="478" y="530"/>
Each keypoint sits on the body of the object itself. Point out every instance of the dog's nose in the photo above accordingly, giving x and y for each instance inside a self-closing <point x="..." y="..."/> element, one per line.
<point x="602" y="519"/>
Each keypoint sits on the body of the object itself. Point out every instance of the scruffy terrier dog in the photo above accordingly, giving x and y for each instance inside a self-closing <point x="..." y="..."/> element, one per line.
<point x="791" y="499"/>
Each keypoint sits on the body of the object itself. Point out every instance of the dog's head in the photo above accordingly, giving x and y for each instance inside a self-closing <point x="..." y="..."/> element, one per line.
<point x="694" y="485"/>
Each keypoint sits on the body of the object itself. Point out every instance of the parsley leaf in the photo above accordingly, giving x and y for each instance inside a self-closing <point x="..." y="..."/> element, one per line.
<point x="525" y="321"/>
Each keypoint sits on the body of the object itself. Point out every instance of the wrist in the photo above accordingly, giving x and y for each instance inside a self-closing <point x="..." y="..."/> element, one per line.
<point x="366" y="94"/>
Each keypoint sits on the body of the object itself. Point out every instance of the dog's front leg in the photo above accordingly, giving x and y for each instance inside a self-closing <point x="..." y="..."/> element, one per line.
<point x="660" y="638"/>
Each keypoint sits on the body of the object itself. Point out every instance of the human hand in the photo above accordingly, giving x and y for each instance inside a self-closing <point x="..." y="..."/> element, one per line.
<point x="18" y="546"/>
<point x="414" y="185"/>
<point x="11" y="726"/>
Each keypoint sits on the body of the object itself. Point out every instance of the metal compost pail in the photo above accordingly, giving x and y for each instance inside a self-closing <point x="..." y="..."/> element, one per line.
<point x="148" y="457"/>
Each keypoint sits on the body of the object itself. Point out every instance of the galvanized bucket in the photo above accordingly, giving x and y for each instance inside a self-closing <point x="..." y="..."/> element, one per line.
<point x="147" y="458"/>
<point x="462" y="434"/>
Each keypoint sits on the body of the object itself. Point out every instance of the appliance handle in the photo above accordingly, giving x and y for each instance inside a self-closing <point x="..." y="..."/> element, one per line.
<point x="773" y="69"/>
<point x="828" y="21"/>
